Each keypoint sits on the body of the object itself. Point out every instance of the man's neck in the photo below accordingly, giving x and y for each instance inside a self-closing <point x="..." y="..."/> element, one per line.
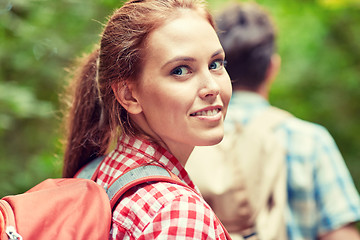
<point x="261" y="90"/>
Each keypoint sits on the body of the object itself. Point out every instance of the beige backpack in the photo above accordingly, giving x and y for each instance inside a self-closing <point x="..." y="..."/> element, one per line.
<point x="243" y="178"/>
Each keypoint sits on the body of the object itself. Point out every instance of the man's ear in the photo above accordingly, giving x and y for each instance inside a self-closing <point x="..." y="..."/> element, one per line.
<point x="124" y="94"/>
<point x="273" y="68"/>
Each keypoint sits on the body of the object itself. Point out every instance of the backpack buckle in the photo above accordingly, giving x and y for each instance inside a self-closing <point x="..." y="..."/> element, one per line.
<point x="12" y="234"/>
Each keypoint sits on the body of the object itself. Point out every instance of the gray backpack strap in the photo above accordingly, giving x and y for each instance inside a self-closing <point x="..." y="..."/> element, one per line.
<point x="137" y="176"/>
<point x="129" y="179"/>
<point x="133" y="174"/>
<point x="88" y="171"/>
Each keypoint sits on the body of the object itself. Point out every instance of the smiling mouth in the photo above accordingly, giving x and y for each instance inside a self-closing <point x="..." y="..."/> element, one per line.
<point x="206" y="113"/>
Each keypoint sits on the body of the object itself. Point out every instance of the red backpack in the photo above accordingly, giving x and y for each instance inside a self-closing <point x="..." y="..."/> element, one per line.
<point x="71" y="208"/>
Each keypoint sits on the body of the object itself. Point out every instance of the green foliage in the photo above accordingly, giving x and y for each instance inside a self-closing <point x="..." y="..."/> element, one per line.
<point x="38" y="41"/>
<point x="319" y="42"/>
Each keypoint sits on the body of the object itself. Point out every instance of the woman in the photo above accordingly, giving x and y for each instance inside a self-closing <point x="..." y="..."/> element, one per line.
<point x="156" y="87"/>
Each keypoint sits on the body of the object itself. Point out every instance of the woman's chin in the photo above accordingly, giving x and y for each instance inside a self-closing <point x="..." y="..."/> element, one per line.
<point x="212" y="141"/>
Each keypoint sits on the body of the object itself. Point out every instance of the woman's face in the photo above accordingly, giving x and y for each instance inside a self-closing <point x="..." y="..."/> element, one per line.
<point x="184" y="89"/>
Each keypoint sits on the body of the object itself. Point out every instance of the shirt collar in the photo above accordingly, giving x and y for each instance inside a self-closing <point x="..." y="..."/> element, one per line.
<point x="243" y="106"/>
<point x="152" y="152"/>
<point x="248" y="98"/>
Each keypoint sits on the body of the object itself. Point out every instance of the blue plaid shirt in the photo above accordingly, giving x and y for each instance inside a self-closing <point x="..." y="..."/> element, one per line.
<point x="321" y="193"/>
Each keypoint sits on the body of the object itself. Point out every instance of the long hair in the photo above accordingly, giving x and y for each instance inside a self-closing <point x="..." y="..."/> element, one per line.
<point x="95" y="118"/>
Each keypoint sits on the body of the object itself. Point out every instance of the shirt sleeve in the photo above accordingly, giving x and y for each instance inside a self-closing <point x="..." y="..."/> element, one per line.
<point x="336" y="195"/>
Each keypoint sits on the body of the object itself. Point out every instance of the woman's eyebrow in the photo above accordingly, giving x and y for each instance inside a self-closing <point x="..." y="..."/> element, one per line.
<point x="190" y="59"/>
<point x="218" y="52"/>
<point x="179" y="59"/>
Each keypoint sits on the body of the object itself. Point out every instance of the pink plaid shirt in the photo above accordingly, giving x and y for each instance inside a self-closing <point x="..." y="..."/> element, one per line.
<point x="158" y="210"/>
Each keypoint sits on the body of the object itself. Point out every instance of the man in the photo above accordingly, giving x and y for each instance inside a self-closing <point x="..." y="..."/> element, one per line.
<point x="322" y="201"/>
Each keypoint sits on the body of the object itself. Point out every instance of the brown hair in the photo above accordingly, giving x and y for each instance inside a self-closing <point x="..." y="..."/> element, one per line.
<point x="247" y="34"/>
<point x="95" y="117"/>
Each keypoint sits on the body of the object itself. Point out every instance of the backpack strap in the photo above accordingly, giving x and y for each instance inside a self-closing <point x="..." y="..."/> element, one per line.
<point x="133" y="177"/>
<point x="129" y="179"/>
<point x="137" y="176"/>
<point x="90" y="171"/>
<point x="241" y="177"/>
<point x="273" y="170"/>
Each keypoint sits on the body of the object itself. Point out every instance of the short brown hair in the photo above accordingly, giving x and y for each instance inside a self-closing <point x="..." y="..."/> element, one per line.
<point x="247" y="35"/>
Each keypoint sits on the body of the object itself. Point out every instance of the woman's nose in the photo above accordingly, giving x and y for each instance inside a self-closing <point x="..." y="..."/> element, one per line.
<point x="210" y="87"/>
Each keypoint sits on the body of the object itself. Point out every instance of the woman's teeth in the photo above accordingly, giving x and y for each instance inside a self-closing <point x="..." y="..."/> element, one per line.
<point x="206" y="113"/>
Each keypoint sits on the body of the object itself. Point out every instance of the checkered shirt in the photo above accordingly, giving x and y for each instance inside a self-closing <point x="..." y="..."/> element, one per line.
<point x="156" y="210"/>
<point x="321" y="193"/>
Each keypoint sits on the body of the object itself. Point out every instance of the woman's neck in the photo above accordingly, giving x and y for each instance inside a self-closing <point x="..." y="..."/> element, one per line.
<point x="180" y="151"/>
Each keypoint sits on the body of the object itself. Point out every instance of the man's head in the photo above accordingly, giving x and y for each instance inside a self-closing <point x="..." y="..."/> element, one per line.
<point x="248" y="38"/>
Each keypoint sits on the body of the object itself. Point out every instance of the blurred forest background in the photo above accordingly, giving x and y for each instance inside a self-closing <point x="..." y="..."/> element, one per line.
<point x="319" y="41"/>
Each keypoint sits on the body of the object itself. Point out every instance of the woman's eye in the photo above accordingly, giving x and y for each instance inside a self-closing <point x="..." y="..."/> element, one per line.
<point x="179" y="71"/>
<point x="217" y="64"/>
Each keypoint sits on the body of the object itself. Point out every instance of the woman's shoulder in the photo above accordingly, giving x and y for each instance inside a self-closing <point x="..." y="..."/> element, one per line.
<point x="153" y="196"/>
<point x="164" y="204"/>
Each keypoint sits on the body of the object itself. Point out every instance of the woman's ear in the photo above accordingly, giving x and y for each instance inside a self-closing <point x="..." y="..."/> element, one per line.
<point x="124" y="93"/>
